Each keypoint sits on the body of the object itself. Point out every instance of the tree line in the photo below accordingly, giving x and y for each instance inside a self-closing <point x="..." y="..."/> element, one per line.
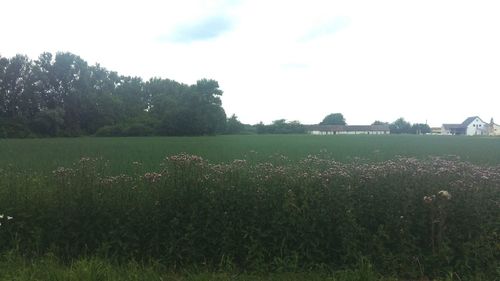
<point x="401" y="126"/>
<point x="62" y="95"/>
<point x="281" y="126"/>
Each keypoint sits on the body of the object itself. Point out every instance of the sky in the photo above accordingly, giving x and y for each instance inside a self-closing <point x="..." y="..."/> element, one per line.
<point x="434" y="61"/>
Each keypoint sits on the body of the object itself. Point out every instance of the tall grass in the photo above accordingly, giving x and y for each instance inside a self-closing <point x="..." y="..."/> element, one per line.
<point x="16" y="268"/>
<point x="406" y="217"/>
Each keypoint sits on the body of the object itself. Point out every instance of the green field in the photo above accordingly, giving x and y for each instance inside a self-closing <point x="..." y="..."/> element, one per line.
<point x="48" y="154"/>
<point x="257" y="207"/>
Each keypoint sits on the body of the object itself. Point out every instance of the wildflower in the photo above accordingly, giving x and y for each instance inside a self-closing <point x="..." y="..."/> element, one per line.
<point x="428" y="199"/>
<point x="239" y="162"/>
<point x="9" y="218"/>
<point x="152" y="177"/>
<point x="445" y="194"/>
<point x="1" y="216"/>
<point x="84" y="159"/>
<point x="61" y="172"/>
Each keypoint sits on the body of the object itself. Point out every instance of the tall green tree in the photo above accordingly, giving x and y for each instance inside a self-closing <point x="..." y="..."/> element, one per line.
<point x="377" y="122"/>
<point x="420" y="129"/>
<point x="333" y="119"/>
<point x="16" y="88"/>
<point x="400" y="126"/>
<point x="234" y="126"/>
<point x="212" y="116"/>
<point x="61" y="95"/>
<point x="281" y="126"/>
<point x="4" y="63"/>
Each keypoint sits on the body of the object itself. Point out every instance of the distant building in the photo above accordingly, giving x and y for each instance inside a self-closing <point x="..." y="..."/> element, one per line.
<point x="472" y="126"/>
<point x="493" y="129"/>
<point x="435" y="130"/>
<point x="348" y="130"/>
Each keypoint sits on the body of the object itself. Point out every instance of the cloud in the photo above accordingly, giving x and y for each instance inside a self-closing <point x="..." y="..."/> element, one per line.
<point x="205" y="29"/>
<point x="329" y="28"/>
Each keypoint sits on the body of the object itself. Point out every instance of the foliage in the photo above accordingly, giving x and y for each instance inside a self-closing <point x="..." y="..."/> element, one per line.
<point x="234" y="126"/>
<point x="400" y="126"/>
<point x="420" y="129"/>
<point x="137" y="130"/>
<point x="377" y="122"/>
<point x="62" y="95"/>
<point x="13" y="128"/>
<point x="48" y="122"/>
<point x="110" y="131"/>
<point x="333" y="119"/>
<point x="281" y="126"/>
<point x="404" y="216"/>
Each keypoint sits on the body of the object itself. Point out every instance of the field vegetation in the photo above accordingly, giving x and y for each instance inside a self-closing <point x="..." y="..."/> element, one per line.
<point x="48" y="154"/>
<point x="326" y="206"/>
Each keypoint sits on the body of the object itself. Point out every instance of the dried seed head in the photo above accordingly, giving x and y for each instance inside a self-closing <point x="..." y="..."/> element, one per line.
<point x="444" y="194"/>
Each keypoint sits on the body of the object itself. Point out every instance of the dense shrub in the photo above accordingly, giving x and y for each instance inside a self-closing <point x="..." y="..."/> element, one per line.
<point x="407" y="217"/>
<point x="14" y="128"/>
<point x="48" y="123"/>
<point x="110" y="131"/>
<point x="137" y="130"/>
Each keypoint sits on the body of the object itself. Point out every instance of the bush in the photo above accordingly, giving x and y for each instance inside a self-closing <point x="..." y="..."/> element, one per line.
<point x="14" y="128"/>
<point x="137" y="130"/>
<point x="110" y="131"/>
<point x="48" y="123"/>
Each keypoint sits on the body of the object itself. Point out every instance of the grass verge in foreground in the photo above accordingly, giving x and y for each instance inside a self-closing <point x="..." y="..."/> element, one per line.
<point x="15" y="268"/>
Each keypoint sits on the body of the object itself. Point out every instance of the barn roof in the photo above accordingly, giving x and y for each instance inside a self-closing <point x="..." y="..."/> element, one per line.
<point x="453" y="126"/>
<point x="470" y="120"/>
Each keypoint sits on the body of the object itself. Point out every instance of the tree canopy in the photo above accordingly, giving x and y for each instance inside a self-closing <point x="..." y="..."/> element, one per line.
<point x="62" y="95"/>
<point x="400" y="126"/>
<point x="281" y="126"/>
<point x="333" y="119"/>
<point x="377" y="122"/>
<point x="420" y="129"/>
<point x="233" y="125"/>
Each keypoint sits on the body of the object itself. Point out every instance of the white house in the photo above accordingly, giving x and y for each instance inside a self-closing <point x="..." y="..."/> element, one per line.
<point x="472" y="126"/>
<point x="348" y="130"/>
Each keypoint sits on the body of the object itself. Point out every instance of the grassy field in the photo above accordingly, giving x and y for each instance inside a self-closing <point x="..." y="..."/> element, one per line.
<point x="250" y="208"/>
<point x="48" y="154"/>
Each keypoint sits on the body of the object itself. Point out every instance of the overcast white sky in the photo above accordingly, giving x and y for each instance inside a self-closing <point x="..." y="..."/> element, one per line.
<point x="300" y="60"/>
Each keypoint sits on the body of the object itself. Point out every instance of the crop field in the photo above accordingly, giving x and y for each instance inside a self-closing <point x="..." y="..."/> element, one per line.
<point x="48" y="154"/>
<point x="336" y="207"/>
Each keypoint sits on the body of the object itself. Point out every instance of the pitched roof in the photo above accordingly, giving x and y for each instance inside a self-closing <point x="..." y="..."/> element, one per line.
<point x="470" y="120"/>
<point x="453" y="126"/>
